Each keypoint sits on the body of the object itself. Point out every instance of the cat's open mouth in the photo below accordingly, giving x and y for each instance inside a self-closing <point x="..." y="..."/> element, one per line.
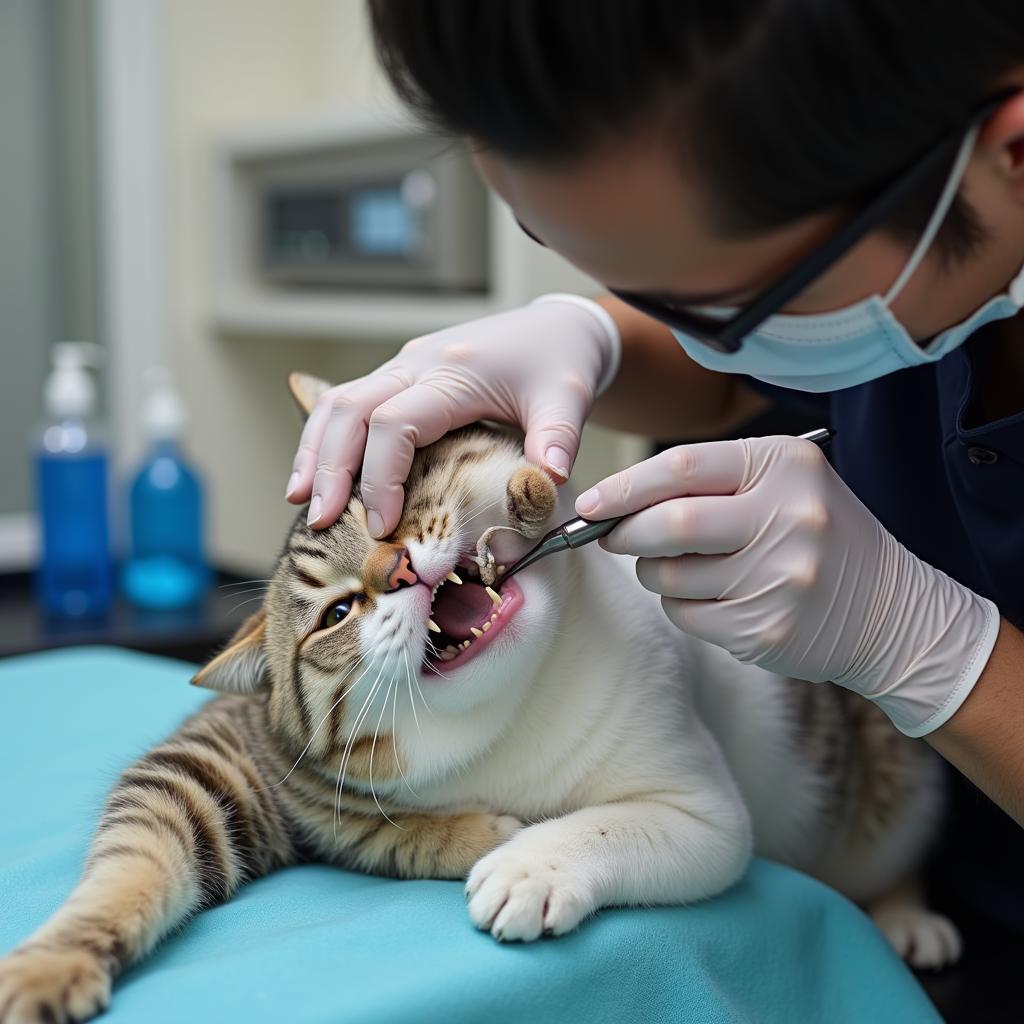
<point x="465" y="616"/>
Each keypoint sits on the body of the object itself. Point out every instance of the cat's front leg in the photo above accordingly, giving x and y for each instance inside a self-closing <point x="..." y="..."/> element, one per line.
<point x="129" y="893"/>
<point x="418" y="845"/>
<point x="184" y="827"/>
<point x="664" y="848"/>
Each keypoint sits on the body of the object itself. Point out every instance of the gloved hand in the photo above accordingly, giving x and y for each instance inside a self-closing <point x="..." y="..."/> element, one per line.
<point x="760" y="548"/>
<point x="539" y="367"/>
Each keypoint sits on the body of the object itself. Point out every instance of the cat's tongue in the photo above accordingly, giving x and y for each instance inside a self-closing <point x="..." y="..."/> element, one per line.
<point x="457" y="608"/>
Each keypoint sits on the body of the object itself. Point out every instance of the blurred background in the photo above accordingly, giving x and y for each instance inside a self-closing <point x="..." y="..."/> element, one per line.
<point x="227" y="191"/>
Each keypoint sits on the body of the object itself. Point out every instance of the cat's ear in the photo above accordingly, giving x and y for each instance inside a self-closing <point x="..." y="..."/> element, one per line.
<point x="306" y="389"/>
<point x="242" y="666"/>
<point x="530" y="499"/>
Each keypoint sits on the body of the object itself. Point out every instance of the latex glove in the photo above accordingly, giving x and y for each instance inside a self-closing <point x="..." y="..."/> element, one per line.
<point x="540" y="367"/>
<point x="759" y="547"/>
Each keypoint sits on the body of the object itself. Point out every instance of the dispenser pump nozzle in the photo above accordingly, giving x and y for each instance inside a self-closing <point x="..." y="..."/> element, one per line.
<point x="164" y="415"/>
<point x="70" y="390"/>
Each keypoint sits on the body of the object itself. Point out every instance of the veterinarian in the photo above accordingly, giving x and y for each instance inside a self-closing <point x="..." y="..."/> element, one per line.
<point x="817" y="203"/>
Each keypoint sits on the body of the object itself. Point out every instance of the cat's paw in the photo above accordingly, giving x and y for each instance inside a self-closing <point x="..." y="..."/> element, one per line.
<point x="467" y="838"/>
<point x="924" y="939"/>
<point x="518" y="895"/>
<point x="48" y="986"/>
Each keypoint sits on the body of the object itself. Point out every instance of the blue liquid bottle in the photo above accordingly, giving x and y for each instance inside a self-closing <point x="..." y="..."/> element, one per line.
<point x="75" y="575"/>
<point x="166" y="568"/>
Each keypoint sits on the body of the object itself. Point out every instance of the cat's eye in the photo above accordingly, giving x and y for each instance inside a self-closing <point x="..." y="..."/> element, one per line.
<point x="337" y="612"/>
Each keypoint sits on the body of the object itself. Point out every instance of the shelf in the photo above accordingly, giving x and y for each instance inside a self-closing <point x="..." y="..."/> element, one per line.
<point x="380" y="316"/>
<point x="193" y="634"/>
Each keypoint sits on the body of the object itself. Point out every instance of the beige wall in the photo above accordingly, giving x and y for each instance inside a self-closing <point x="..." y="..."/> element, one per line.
<point x="228" y="65"/>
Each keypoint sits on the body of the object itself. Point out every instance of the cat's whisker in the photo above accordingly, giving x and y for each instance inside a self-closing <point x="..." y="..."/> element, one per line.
<point x="467" y="517"/>
<point x="394" y="734"/>
<point x="416" y="677"/>
<point x="249" y="600"/>
<point x="464" y="499"/>
<point x="239" y="583"/>
<point x="441" y="674"/>
<point x="261" y="592"/>
<point x="319" y="724"/>
<point x="355" y="726"/>
<point x="412" y="700"/>
<point x="437" y="655"/>
<point x="367" y="707"/>
<point x="347" y="753"/>
<point x="373" y="749"/>
<point x="348" y="743"/>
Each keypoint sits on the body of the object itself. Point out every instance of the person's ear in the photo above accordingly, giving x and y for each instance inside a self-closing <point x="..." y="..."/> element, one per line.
<point x="306" y="389"/>
<point x="1002" y="139"/>
<point x="242" y="666"/>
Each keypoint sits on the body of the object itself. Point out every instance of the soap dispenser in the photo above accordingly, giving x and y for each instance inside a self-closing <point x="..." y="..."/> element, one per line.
<point x="75" y="572"/>
<point x="166" y="568"/>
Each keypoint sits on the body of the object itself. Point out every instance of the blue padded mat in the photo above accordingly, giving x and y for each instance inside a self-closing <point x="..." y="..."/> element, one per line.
<point x="316" y="945"/>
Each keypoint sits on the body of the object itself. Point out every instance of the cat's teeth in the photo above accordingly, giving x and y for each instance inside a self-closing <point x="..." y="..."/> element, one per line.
<point x="464" y="644"/>
<point x="476" y="632"/>
<point x="447" y="655"/>
<point x="451" y="576"/>
<point x="500" y="569"/>
<point x="494" y="596"/>
<point x="433" y="626"/>
<point x="452" y="649"/>
<point x="494" y="617"/>
<point x="486" y="626"/>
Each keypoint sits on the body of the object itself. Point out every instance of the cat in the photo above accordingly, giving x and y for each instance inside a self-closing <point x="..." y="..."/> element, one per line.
<point x="556" y="742"/>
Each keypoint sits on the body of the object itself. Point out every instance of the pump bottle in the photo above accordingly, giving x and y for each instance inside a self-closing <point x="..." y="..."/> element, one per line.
<point x="75" y="573"/>
<point x="166" y="568"/>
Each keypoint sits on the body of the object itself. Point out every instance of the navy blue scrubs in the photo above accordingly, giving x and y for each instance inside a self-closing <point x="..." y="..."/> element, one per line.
<point x="915" y="448"/>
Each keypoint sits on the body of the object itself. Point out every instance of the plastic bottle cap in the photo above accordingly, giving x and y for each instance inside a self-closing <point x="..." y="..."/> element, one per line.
<point x="69" y="390"/>
<point x="164" y="415"/>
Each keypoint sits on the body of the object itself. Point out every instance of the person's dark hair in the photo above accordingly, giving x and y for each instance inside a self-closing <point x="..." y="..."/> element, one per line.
<point x="786" y="106"/>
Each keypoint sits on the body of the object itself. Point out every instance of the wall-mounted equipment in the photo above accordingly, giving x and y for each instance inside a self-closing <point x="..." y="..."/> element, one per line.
<point x="407" y="212"/>
<point x="363" y="226"/>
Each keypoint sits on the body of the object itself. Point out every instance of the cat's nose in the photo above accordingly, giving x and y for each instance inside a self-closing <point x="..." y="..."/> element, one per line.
<point x="388" y="568"/>
<point x="401" y="574"/>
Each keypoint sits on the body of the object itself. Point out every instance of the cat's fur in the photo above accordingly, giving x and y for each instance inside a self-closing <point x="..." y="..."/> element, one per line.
<point x="592" y="755"/>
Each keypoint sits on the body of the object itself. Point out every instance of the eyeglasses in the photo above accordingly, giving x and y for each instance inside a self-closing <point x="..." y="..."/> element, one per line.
<point x="726" y="334"/>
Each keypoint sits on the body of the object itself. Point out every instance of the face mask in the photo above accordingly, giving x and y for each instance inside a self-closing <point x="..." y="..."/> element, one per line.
<point x="829" y="351"/>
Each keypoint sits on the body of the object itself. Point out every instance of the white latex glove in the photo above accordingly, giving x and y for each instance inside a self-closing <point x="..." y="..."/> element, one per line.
<point x="759" y="547"/>
<point x="539" y="367"/>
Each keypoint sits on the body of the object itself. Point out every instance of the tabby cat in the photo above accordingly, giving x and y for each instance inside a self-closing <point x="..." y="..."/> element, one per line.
<point x="554" y="739"/>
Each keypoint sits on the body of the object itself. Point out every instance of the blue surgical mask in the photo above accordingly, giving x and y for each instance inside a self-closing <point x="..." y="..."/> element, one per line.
<point x="829" y="351"/>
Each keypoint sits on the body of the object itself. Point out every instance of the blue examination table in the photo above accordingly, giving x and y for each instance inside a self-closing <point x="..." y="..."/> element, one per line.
<point x="316" y="945"/>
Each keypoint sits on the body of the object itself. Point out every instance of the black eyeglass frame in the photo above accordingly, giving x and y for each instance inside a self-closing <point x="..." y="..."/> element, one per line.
<point x="726" y="335"/>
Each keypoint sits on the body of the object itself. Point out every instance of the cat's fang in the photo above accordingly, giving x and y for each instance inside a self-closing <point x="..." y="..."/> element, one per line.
<point x="433" y="626"/>
<point x="494" y="596"/>
<point x="453" y="577"/>
<point x="476" y="632"/>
